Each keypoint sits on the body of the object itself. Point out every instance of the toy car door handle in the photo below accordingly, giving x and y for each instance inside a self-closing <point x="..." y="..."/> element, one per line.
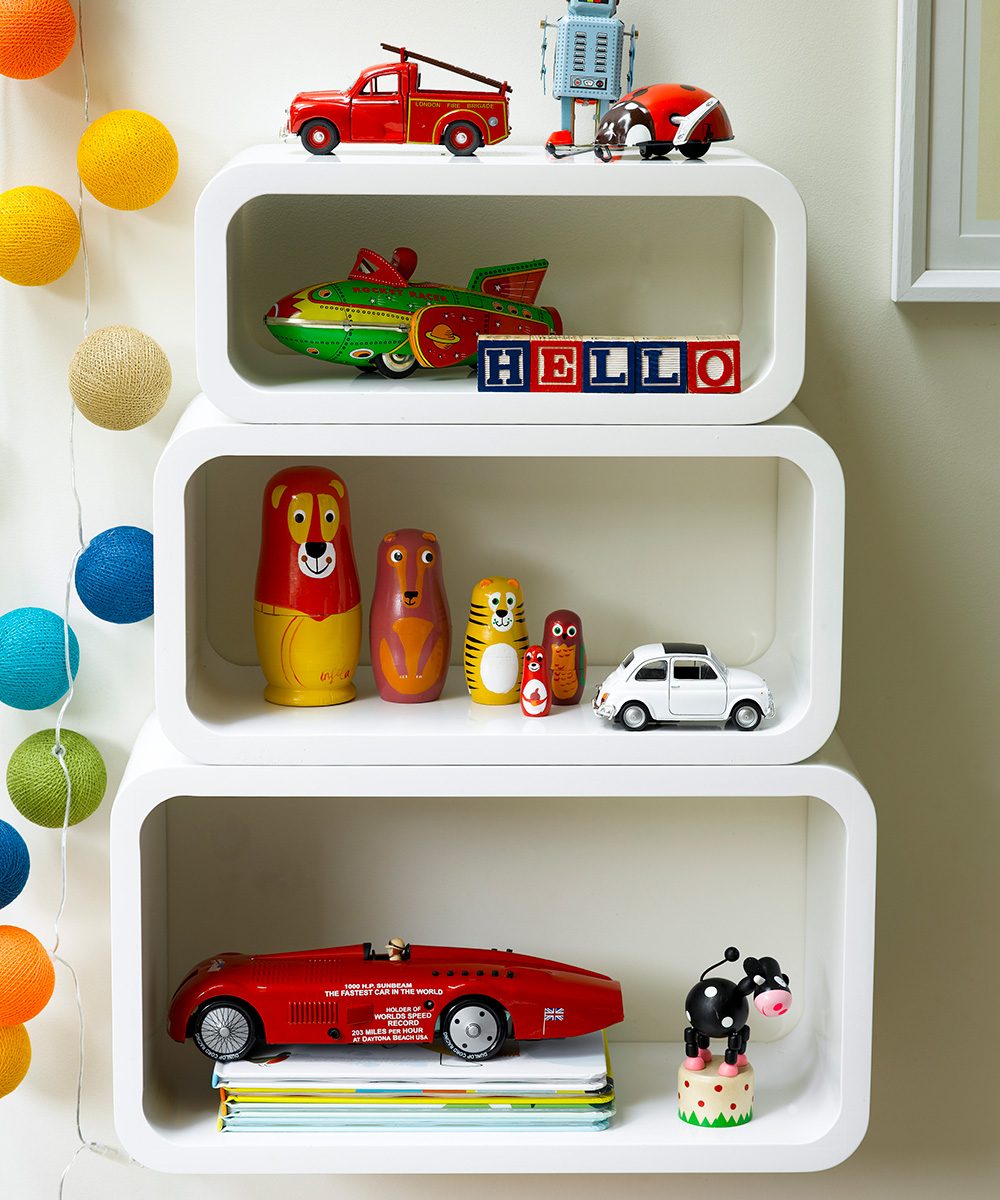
<point x="687" y="126"/>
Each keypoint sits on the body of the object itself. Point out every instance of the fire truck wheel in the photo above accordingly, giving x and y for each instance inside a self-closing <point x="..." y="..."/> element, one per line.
<point x="462" y="137"/>
<point x="319" y="136"/>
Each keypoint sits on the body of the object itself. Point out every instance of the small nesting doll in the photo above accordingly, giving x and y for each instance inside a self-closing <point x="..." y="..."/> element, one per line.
<point x="307" y="603"/>
<point x="495" y="640"/>
<point x="565" y="655"/>
<point x="536" y="696"/>
<point x="409" y="629"/>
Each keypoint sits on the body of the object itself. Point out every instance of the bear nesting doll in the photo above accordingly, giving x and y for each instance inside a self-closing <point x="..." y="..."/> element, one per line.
<point x="307" y="604"/>
<point x="409" y="629"/>
<point x="495" y="640"/>
<point x="565" y="655"/>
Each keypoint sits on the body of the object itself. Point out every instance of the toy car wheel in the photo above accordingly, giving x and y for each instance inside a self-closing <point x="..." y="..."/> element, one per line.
<point x="319" y="136"/>
<point x="634" y="716"/>
<point x="225" y="1029"/>
<point x="462" y="137"/>
<point x="473" y="1029"/>
<point x="395" y="366"/>
<point x="746" y="715"/>
<point x="694" y="149"/>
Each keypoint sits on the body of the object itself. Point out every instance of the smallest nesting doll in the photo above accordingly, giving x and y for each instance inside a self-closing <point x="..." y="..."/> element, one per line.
<point x="536" y="696"/>
<point x="409" y="627"/>
<point x="565" y="655"/>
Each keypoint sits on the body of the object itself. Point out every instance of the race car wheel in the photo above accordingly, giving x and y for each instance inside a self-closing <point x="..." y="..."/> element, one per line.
<point x="395" y="366"/>
<point x="462" y="137"/>
<point x="473" y="1029"/>
<point x="694" y="149"/>
<point x="746" y="715"/>
<point x="319" y="136"/>
<point x="634" y="716"/>
<point x="225" y="1029"/>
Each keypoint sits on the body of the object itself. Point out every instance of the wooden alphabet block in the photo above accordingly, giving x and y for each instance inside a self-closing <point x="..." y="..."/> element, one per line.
<point x="504" y="364"/>
<point x="714" y="365"/>
<point x="661" y="365"/>
<point x="609" y="364"/>
<point x="556" y="364"/>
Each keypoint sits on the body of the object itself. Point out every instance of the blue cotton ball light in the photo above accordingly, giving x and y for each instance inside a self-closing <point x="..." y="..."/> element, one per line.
<point x="33" y="658"/>
<point x="114" y="575"/>
<point x="14" y="864"/>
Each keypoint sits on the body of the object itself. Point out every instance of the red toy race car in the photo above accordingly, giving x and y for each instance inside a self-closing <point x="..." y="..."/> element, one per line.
<point x="473" y="999"/>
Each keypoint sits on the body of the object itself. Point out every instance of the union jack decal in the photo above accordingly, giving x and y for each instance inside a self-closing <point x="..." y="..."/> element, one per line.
<point x="554" y="1014"/>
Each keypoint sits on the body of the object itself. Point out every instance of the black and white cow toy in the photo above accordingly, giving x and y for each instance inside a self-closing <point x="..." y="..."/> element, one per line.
<point x="718" y="1008"/>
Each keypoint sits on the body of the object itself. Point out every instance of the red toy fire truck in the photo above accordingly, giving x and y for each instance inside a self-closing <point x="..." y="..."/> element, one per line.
<point x="387" y="104"/>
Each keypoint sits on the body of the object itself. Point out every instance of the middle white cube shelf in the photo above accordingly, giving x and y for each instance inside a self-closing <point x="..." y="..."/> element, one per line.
<point x="731" y="536"/>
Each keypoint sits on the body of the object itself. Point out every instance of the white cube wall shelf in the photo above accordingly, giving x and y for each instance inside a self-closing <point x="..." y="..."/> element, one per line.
<point x="312" y="856"/>
<point x="728" y="535"/>
<point x="714" y="247"/>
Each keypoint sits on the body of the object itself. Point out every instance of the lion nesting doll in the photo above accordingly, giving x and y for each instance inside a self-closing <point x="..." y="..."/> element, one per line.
<point x="495" y="640"/>
<point x="565" y="655"/>
<point x="307" y="604"/>
<point x="409" y="629"/>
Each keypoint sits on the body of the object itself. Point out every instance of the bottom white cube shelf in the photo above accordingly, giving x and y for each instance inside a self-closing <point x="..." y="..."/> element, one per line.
<point x="643" y="873"/>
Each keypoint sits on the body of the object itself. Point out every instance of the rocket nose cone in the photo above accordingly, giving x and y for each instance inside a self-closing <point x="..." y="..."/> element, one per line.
<point x="281" y="309"/>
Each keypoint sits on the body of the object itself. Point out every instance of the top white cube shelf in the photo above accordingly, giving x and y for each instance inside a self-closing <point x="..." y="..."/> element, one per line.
<point x="656" y="248"/>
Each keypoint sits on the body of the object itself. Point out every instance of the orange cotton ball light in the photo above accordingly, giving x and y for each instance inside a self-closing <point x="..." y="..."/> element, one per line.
<point x="39" y="235"/>
<point x="127" y="159"/>
<point x="27" y="977"/>
<point x="35" y="36"/>
<point x="15" y="1057"/>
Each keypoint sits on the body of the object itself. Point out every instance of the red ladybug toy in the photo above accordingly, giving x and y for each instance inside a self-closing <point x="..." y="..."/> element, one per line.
<point x="661" y="118"/>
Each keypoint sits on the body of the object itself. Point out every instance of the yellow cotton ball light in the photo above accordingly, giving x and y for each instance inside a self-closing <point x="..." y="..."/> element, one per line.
<point x="27" y="977"/>
<point x="127" y="159"/>
<point x="39" y="236"/>
<point x="15" y="1057"/>
<point x="119" y="377"/>
<point x="35" y="36"/>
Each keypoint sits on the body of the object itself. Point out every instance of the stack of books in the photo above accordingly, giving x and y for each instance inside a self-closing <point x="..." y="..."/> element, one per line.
<point x="563" y="1084"/>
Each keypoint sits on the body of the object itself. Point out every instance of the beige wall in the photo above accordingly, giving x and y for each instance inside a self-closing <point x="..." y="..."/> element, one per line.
<point x="907" y="396"/>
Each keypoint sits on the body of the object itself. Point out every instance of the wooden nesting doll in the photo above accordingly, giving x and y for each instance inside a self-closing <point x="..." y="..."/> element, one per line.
<point x="536" y="695"/>
<point x="565" y="655"/>
<point x="409" y="628"/>
<point x="307" y="605"/>
<point x="495" y="640"/>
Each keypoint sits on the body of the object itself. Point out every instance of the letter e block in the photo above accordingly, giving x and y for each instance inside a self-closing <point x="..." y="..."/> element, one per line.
<point x="556" y="364"/>
<point x="714" y="365"/>
<point x="504" y="364"/>
<point x="661" y="365"/>
<point x="609" y="364"/>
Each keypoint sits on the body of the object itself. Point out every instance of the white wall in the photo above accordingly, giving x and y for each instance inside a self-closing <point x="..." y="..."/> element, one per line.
<point x="906" y="396"/>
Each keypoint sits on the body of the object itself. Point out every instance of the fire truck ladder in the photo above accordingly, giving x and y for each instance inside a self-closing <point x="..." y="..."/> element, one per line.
<point x="405" y="54"/>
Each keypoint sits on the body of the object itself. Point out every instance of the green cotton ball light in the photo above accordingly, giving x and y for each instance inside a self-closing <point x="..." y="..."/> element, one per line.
<point x="37" y="785"/>
<point x="33" y="658"/>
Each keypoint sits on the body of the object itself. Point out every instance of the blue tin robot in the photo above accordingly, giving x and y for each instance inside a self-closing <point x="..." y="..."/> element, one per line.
<point x="590" y="42"/>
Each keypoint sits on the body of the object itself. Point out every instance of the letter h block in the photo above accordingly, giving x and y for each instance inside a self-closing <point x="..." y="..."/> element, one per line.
<point x="504" y="364"/>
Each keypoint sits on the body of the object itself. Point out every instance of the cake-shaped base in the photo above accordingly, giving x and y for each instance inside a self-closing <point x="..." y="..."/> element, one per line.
<point x="713" y="1100"/>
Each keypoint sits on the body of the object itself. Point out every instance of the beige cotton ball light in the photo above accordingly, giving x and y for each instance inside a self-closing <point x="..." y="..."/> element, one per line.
<point x="119" y="377"/>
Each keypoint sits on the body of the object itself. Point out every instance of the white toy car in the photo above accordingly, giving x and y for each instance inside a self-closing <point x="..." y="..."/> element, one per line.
<point x="681" y="681"/>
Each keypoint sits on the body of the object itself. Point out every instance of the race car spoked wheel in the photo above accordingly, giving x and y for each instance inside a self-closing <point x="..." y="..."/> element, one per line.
<point x="225" y="1030"/>
<point x="395" y="366"/>
<point x="473" y="1029"/>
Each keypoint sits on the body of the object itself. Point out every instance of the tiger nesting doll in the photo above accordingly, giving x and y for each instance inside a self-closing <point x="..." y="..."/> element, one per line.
<point x="495" y="640"/>
<point x="307" y="603"/>
<point x="565" y="655"/>
<point x="409" y="628"/>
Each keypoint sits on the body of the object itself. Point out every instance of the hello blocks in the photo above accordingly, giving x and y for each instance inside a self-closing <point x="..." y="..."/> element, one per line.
<point x="557" y="363"/>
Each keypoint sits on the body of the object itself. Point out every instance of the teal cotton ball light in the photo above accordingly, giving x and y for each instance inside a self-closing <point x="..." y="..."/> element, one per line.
<point x="33" y="658"/>
<point x="14" y="864"/>
<point x="114" y="575"/>
<point x="37" y="784"/>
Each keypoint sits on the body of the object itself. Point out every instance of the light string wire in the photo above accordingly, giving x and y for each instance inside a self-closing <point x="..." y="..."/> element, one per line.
<point x="59" y="750"/>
